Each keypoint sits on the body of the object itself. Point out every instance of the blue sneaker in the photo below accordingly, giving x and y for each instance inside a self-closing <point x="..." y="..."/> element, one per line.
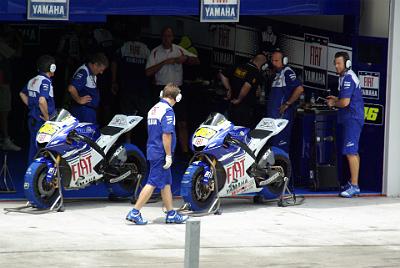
<point x="346" y="186"/>
<point x="136" y="217"/>
<point x="353" y="190"/>
<point x="174" y="217"/>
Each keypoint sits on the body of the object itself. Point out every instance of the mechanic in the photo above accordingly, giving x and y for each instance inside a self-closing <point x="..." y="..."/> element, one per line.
<point x="38" y="95"/>
<point x="160" y="148"/>
<point x="350" y="118"/>
<point x="285" y="91"/>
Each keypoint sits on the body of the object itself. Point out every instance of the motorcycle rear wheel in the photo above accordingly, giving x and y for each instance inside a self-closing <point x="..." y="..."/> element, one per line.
<point x="274" y="190"/>
<point x="138" y="166"/>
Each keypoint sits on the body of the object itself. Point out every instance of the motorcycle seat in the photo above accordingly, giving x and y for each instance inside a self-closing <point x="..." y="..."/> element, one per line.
<point x="109" y="130"/>
<point x="259" y="133"/>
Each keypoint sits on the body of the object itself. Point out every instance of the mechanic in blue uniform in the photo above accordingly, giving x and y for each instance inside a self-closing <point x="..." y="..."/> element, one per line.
<point x="38" y="95"/>
<point x="160" y="148"/>
<point x="84" y="91"/>
<point x="285" y="90"/>
<point x="350" y="118"/>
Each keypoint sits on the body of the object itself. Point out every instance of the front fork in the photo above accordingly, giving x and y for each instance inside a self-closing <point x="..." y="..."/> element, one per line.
<point x="52" y="168"/>
<point x="209" y="168"/>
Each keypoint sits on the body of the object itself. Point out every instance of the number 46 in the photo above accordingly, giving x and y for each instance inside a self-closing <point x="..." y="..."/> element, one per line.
<point x="370" y="113"/>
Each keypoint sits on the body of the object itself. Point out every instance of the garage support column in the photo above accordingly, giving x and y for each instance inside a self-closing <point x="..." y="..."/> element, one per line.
<point x="391" y="181"/>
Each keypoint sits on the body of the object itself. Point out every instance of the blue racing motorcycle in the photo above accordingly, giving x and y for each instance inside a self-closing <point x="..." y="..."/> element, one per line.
<point x="232" y="160"/>
<point x="73" y="155"/>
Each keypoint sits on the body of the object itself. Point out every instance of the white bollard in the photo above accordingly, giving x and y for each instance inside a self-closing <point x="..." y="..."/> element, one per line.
<point x="192" y="243"/>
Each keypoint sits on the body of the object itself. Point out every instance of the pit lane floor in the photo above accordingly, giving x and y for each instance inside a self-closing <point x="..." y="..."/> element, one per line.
<point x="323" y="232"/>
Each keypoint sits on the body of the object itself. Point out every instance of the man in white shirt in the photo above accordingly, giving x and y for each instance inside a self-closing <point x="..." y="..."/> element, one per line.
<point x="165" y="64"/>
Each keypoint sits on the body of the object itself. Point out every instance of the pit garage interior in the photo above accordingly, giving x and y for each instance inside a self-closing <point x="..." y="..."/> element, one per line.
<point x="308" y="32"/>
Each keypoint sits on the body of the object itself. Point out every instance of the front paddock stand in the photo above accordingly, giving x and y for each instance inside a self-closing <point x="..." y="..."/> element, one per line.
<point x="57" y="206"/>
<point x="215" y="209"/>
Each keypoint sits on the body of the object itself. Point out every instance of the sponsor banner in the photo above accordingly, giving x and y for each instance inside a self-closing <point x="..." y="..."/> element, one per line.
<point x="30" y="33"/>
<point x="223" y="37"/>
<point x="48" y="9"/>
<point x="369" y="82"/>
<point x="315" y="61"/>
<point x="314" y="78"/>
<point x="373" y="114"/>
<point x="316" y="51"/>
<point x="219" y="10"/>
<point x="222" y="58"/>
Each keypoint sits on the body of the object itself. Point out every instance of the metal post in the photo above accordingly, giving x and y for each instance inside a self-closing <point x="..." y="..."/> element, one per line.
<point x="192" y="243"/>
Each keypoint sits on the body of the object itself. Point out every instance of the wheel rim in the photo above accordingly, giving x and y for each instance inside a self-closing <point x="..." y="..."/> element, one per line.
<point x="277" y="185"/>
<point x="129" y="182"/>
<point x="46" y="190"/>
<point x="202" y="192"/>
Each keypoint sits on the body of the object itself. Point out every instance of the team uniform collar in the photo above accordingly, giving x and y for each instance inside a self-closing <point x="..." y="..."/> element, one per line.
<point x="164" y="101"/>
<point x="90" y="71"/>
<point x="43" y="74"/>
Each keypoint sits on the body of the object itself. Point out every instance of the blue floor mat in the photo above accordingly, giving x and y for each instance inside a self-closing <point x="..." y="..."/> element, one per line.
<point x="17" y="166"/>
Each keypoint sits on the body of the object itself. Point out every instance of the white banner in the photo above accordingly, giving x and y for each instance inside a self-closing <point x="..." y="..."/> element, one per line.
<point x="369" y="82"/>
<point x="316" y="51"/>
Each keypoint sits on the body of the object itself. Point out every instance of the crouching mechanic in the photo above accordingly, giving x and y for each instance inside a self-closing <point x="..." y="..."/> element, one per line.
<point x="160" y="147"/>
<point x="350" y="118"/>
<point x="39" y="97"/>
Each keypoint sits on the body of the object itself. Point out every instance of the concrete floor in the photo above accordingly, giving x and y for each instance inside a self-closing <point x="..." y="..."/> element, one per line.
<point x="323" y="232"/>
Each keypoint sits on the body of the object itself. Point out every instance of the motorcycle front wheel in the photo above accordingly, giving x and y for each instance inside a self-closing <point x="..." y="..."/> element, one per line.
<point x="38" y="191"/>
<point x="198" y="195"/>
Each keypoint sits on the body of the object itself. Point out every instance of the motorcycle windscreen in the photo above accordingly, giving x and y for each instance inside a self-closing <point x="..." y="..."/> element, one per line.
<point x="215" y="119"/>
<point x="63" y="115"/>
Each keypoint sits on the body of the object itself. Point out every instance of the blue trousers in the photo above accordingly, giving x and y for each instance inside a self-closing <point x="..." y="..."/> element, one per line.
<point x="84" y="114"/>
<point x="282" y="140"/>
<point x="33" y="127"/>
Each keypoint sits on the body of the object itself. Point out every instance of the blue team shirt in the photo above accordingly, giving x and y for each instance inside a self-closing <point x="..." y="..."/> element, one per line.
<point x="349" y="87"/>
<point x="160" y="119"/>
<point x="282" y="87"/>
<point x="85" y="83"/>
<point x="39" y="86"/>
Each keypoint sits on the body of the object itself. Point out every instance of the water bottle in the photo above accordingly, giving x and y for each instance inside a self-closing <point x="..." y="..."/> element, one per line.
<point x="312" y="99"/>
<point x="302" y="100"/>
<point x="262" y="96"/>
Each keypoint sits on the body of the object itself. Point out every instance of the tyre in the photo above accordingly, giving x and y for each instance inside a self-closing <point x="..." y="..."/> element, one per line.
<point x="38" y="191"/>
<point x="138" y="165"/>
<point x="274" y="190"/>
<point x="193" y="191"/>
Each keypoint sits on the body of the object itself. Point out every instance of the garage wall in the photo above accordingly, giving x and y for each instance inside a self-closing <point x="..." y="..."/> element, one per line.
<point x="374" y="18"/>
<point x="330" y="23"/>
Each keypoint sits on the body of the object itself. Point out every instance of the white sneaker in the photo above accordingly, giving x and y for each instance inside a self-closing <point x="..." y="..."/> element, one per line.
<point x="8" y="145"/>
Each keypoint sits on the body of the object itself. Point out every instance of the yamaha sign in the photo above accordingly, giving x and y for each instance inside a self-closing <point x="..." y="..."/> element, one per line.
<point x="48" y="9"/>
<point x="219" y="10"/>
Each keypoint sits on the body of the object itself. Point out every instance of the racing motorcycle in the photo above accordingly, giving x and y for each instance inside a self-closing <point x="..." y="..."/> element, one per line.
<point x="232" y="160"/>
<point x="74" y="155"/>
